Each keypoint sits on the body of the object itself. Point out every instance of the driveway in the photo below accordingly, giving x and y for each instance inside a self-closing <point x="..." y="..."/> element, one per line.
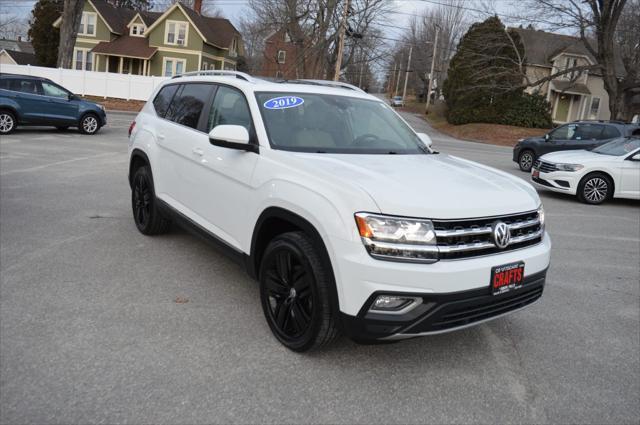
<point x="100" y="324"/>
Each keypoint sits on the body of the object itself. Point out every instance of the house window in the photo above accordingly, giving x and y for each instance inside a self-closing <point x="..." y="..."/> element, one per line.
<point x="137" y="30"/>
<point x="279" y="74"/>
<point x="212" y="66"/>
<point x="569" y="64"/>
<point x="234" y="47"/>
<point x="176" y="33"/>
<point x="204" y="66"/>
<point x="88" y="24"/>
<point x="172" y="66"/>
<point x="82" y="59"/>
<point x="281" y="56"/>
<point x="595" y="108"/>
<point x="287" y="37"/>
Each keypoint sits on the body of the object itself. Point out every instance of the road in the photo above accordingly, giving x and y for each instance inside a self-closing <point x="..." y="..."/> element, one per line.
<point x="99" y="324"/>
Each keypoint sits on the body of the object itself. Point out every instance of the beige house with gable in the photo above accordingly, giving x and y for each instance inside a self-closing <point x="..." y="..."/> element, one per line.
<point x="573" y="96"/>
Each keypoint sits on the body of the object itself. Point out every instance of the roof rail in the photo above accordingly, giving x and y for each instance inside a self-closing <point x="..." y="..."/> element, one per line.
<point x="326" y="83"/>
<point x="237" y="74"/>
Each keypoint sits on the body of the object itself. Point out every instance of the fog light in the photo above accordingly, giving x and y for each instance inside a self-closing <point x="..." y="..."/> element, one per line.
<point x="394" y="304"/>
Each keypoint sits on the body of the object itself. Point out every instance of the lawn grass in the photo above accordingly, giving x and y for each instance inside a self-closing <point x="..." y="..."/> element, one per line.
<point x="495" y="134"/>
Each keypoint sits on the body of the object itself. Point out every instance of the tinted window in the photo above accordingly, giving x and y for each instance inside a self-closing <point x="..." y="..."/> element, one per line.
<point x="229" y="107"/>
<point x="54" y="90"/>
<point x="610" y="132"/>
<point x="27" y="86"/>
<point x="188" y="103"/>
<point x="162" y="100"/>
<point x="563" y="133"/>
<point x="587" y="132"/>
<point x="5" y="84"/>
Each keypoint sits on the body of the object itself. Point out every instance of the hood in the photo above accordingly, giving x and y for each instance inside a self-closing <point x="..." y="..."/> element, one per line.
<point x="573" y="156"/>
<point x="429" y="186"/>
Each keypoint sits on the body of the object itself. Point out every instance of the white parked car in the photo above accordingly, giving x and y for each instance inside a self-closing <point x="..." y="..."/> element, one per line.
<point x="397" y="101"/>
<point x="609" y="171"/>
<point x="347" y="218"/>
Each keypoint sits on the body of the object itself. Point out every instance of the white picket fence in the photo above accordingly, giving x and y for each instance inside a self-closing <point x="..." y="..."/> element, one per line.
<point x="91" y="83"/>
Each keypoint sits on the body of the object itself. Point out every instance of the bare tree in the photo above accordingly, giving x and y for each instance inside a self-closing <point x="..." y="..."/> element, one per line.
<point x="313" y="27"/>
<point x="12" y="26"/>
<point x="596" y="22"/>
<point x="71" y="15"/>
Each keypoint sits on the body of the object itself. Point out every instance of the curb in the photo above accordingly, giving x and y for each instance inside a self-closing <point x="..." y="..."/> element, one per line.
<point x="117" y="112"/>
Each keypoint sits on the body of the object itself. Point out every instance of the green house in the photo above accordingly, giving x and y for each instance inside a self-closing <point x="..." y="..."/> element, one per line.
<point x="178" y="40"/>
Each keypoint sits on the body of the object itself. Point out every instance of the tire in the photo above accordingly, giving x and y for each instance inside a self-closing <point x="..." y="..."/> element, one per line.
<point x="7" y="122"/>
<point x="526" y="160"/>
<point x="63" y="127"/>
<point x="295" y="293"/>
<point x="146" y="214"/>
<point x="89" y="124"/>
<point x="595" y="188"/>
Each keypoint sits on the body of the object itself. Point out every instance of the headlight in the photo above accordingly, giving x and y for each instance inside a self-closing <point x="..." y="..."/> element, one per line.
<point x="100" y="106"/>
<point x="398" y="238"/>
<point x="569" y="167"/>
<point x="541" y="216"/>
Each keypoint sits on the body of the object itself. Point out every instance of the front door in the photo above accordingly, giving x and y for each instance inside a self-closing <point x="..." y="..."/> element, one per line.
<point x="58" y="105"/>
<point x="562" y="108"/>
<point x="630" y="178"/>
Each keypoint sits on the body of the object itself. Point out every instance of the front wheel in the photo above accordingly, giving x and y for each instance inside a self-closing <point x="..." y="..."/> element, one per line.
<point x="7" y="122"/>
<point x="525" y="160"/>
<point x="89" y="124"/>
<point x="595" y="189"/>
<point x="294" y="291"/>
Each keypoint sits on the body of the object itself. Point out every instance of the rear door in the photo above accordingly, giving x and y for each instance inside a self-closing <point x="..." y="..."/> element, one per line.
<point x="586" y="136"/>
<point x="28" y="94"/>
<point x="57" y="107"/>
<point x="182" y="141"/>
<point x="630" y="178"/>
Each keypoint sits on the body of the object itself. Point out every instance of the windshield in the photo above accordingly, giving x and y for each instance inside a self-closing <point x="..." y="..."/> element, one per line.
<point x="618" y="147"/>
<point x="397" y="98"/>
<point x="308" y="122"/>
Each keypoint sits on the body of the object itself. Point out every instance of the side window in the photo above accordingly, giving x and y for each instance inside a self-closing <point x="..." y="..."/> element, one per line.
<point x="229" y="107"/>
<point x="53" y="90"/>
<point x="5" y="84"/>
<point x="27" y="86"/>
<point x="563" y="133"/>
<point x="163" y="99"/>
<point x="587" y="132"/>
<point x="610" y="132"/>
<point x="188" y="103"/>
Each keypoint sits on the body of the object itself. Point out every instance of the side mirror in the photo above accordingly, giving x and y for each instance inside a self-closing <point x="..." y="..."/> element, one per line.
<point x="72" y="97"/>
<point x="424" y="137"/>
<point x="232" y="137"/>
<point x="546" y="137"/>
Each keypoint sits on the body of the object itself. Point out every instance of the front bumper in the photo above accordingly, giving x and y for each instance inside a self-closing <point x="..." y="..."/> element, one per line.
<point x="440" y="313"/>
<point x="558" y="181"/>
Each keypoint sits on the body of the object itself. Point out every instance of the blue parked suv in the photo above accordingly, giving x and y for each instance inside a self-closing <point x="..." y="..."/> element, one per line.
<point x="28" y="100"/>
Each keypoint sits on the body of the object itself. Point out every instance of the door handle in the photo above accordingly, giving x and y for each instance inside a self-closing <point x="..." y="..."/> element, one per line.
<point x="198" y="151"/>
<point x="161" y="136"/>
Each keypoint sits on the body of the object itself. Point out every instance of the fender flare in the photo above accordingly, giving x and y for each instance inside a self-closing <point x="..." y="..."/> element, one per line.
<point x="136" y="154"/>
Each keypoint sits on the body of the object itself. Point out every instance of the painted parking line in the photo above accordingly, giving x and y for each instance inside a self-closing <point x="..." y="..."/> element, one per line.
<point x="53" y="164"/>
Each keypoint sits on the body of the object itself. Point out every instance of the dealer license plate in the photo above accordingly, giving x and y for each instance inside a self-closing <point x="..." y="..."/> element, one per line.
<point x="507" y="277"/>
<point x="535" y="174"/>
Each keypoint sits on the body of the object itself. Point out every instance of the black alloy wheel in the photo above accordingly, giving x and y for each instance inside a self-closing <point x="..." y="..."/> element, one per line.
<point x="145" y="213"/>
<point x="294" y="290"/>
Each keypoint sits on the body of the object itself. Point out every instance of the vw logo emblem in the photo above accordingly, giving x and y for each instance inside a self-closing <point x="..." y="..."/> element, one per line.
<point x="501" y="234"/>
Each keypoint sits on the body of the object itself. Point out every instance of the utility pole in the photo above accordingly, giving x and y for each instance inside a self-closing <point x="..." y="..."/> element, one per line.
<point x="433" y="61"/>
<point x="406" y="75"/>
<point x="391" y="79"/>
<point x="341" y="34"/>
<point x="361" y="68"/>
<point x="398" y="78"/>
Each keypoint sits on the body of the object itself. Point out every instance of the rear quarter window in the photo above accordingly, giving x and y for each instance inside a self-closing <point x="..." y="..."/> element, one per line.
<point x="188" y="103"/>
<point x="610" y="132"/>
<point x="163" y="99"/>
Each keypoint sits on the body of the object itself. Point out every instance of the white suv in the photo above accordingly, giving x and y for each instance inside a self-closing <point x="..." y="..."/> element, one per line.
<point x="345" y="215"/>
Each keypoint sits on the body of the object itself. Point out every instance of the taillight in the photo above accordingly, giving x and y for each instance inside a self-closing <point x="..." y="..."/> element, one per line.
<point x="131" y="127"/>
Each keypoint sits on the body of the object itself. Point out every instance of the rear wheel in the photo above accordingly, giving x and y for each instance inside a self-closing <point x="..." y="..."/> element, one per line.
<point x="595" y="188"/>
<point x="7" y="122"/>
<point x="146" y="214"/>
<point x="294" y="291"/>
<point x="526" y="159"/>
<point x="89" y="124"/>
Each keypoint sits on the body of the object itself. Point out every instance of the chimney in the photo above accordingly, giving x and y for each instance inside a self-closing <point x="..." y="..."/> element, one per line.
<point x="197" y="6"/>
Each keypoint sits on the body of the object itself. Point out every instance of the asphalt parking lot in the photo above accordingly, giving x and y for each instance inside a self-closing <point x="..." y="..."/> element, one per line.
<point x="100" y="324"/>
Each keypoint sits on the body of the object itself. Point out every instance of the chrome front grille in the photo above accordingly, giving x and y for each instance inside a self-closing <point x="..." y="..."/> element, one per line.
<point x="473" y="237"/>
<point x="545" y="167"/>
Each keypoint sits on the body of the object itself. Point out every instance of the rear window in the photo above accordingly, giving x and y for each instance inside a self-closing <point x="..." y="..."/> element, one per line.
<point x="163" y="99"/>
<point x="188" y="103"/>
<point x="610" y="132"/>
